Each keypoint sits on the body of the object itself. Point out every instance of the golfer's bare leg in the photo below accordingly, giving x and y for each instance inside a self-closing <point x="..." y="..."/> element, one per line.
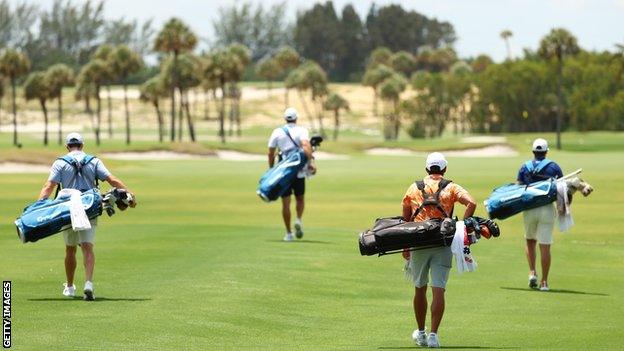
<point x="89" y="260"/>
<point x="437" y="308"/>
<point x="420" y="306"/>
<point x="545" y="257"/>
<point x="70" y="264"/>
<point x="286" y="212"/>
<point x="300" y="205"/>
<point x="530" y="253"/>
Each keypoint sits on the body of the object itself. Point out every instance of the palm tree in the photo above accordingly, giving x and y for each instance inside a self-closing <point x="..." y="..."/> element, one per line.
<point x="288" y="59"/>
<point x="269" y="69"/>
<point x="373" y="78"/>
<point x="558" y="44"/>
<point x="14" y="64"/>
<point x="294" y="80"/>
<point x="36" y="87"/>
<point x="390" y="90"/>
<point x="175" y="38"/>
<point x="152" y="91"/>
<point x="59" y="76"/>
<point x="335" y="103"/>
<point x="1" y="96"/>
<point x="215" y="70"/>
<point x="506" y="34"/>
<point x="124" y="62"/>
<point x="235" y="74"/>
<point x="95" y="73"/>
<point x="103" y="53"/>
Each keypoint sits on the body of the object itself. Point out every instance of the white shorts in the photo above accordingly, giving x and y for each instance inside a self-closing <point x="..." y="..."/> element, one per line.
<point x="73" y="238"/>
<point x="539" y="223"/>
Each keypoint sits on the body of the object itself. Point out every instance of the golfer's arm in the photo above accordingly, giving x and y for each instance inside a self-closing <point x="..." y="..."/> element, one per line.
<point x="407" y="212"/>
<point x="271" y="157"/>
<point x="46" y="191"/>
<point x="116" y="183"/>
<point x="470" y="204"/>
<point x="307" y="148"/>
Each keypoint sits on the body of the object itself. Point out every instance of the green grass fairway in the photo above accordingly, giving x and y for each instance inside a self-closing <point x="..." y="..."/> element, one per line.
<point x="199" y="265"/>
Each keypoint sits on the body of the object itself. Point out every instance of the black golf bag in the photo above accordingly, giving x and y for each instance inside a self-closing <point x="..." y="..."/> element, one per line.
<point x="393" y="234"/>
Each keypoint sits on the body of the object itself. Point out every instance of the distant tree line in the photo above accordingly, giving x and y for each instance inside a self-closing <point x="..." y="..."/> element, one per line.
<point x="558" y="87"/>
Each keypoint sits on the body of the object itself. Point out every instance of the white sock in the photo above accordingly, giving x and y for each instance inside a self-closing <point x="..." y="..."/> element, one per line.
<point x="298" y="221"/>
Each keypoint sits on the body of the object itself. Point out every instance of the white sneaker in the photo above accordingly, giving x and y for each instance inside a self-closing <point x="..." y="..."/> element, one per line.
<point x="298" y="229"/>
<point x="289" y="237"/>
<point x="544" y="287"/>
<point x="432" y="341"/>
<point x="88" y="291"/>
<point x="419" y="337"/>
<point x="532" y="281"/>
<point x="69" y="291"/>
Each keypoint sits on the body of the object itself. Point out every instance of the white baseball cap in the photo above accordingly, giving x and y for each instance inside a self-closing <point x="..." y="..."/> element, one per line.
<point x="290" y="114"/>
<point x="540" y="145"/>
<point x="74" y="138"/>
<point x="435" y="159"/>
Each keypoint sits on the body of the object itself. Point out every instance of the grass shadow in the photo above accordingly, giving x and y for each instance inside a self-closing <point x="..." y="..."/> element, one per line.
<point x="97" y="299"/>
<point x="303" y="241"/>
<point x="445" y="347"/>
<point x="556" y="291"/>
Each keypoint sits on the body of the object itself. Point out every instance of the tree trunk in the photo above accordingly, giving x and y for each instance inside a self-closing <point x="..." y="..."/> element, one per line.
<point x="125" y="89"/>
<point x="45" y="122"/>
<point x="195" y="101"/>
<point x="189" y="121"/>
<point x="319" y="115"/>
<point x="238" y="117"/>
<point x="286" y="90"/>
<point x="98" y="116"/>
<point x="180" y="115"/>
<point x="375" y="107"/>
<point x="206" y="106"/>
<point x="222" y="113"/>
<point x="560" y="100"/>
<point x="160" y="122"/>
<point x="307" y="111"/>
<point x="110" y="111"/>
<point x="60" y="119"/>
<point x="14" y="112"/>
<point x="173" y="88"/>
<point x="336" y="123"/>
<point x="231" y="115"/>
<point x="397" y="120"/>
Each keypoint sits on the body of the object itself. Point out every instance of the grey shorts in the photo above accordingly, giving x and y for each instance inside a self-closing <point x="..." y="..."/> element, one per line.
<point x="436" y="260"/>
<point x="73" y="238"/>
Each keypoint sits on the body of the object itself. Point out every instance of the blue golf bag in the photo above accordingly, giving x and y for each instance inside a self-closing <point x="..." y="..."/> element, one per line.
<point x="48" y="217"/>
<point x="510" y="199"/>
<point x="278" y="179"/>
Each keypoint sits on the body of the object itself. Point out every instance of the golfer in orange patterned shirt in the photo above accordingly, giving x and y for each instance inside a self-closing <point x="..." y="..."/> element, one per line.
<point x="436" y="260"/>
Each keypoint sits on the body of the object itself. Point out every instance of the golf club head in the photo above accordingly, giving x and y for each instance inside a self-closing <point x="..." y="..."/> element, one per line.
<point x="316" y="141"/>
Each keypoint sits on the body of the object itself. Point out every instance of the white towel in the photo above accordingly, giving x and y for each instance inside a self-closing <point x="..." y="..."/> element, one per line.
<point x="79" y="219"/>
<point x="563" y="207"/>
<point x="463" y="258"/>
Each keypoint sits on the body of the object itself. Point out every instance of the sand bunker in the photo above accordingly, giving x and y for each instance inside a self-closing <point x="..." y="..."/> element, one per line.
<point x="485" y="139"/>
<point x="227" y="155"/>
<point x="488" y="151"/>
<point x="14" y="167"/>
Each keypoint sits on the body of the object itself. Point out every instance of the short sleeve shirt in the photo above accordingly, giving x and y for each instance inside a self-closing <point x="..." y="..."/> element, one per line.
<point x="448" y="197"/>
<point x="552" y="170"/>
<point x="65" y="174"/>
<point x="280" y="140"/>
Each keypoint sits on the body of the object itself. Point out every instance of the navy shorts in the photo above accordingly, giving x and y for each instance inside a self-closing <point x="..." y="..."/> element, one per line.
<point x="298" y="187"/>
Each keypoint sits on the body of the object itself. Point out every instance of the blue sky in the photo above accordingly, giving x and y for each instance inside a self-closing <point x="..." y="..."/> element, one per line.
<point x="598" y="24"/>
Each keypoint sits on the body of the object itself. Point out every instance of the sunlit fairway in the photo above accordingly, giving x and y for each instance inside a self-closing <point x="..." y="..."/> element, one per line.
<point x="200" y="265"/>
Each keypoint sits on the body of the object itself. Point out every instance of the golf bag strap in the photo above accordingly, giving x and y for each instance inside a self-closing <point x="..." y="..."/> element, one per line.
<point x="536" y="168"/>
<point x="285" y="129"/>
<point x="432" y="199"/>
<point x="78" y="167"/>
